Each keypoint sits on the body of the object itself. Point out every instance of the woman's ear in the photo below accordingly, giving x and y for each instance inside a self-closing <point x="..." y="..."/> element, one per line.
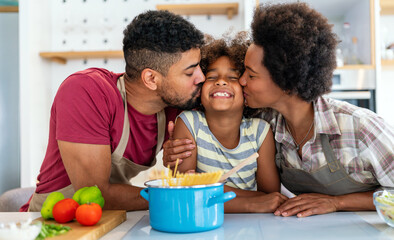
<point x="149" y="78"/>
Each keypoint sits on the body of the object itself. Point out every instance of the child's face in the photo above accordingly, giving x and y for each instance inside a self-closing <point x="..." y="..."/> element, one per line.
<point x="221" y="90"/>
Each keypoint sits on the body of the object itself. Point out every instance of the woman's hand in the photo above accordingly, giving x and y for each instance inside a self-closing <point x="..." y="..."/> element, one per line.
<point x="308" y="204"/>
<point x="175" y="148"/>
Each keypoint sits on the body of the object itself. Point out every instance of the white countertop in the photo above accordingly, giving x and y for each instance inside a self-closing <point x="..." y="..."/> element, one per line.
<point x="362" y="220"/>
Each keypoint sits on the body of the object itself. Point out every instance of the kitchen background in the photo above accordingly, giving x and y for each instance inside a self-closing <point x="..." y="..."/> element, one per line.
<point x="44" y="41"/>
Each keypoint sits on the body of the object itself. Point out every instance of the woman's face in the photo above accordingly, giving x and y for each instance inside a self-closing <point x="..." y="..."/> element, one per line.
<point x="221" y="90"/>
<point x="259" y="89"/>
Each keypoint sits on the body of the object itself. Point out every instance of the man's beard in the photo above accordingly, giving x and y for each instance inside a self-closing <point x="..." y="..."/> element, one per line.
<point x="172" y="100"/>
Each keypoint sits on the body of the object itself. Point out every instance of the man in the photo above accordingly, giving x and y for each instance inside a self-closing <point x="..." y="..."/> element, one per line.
<point x="105" y="127"/>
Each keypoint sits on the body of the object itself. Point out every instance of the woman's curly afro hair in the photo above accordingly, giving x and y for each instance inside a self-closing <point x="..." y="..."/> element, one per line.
<point x="233" y="47"/>
<point x="299" y="48"/>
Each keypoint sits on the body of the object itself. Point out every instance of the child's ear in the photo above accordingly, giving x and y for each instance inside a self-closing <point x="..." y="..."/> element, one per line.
<point x="149" y="78"/>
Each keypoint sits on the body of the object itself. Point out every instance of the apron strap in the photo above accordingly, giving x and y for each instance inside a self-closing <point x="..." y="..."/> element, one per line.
<point x="120" y="149"/>
<point x="278" y="155"/>
<point x="161" y="126"/>
<point x="332" y="161"/>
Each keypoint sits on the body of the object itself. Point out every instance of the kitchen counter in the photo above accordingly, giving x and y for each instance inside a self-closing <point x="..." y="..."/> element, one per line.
<point x="341" y="225"/>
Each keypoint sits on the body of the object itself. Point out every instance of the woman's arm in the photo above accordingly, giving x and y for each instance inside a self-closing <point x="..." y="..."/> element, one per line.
<point x="182" y="132"/>
<point x="314" y="203"/>
<point x="267" y="174"/>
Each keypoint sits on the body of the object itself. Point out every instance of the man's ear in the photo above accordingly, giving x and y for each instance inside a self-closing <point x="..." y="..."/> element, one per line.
<point x="149" y="78"/>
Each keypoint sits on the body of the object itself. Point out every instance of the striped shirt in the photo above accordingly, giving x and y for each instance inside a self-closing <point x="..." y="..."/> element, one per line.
<point x="213" y="156"/>
<point x="361" y="140"/>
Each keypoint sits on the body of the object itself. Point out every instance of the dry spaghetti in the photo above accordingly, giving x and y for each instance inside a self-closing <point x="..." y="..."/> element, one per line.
<point x="174" y="178"/>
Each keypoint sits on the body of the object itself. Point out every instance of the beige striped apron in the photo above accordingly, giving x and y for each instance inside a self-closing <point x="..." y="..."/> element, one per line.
<point x="122" y="169"/>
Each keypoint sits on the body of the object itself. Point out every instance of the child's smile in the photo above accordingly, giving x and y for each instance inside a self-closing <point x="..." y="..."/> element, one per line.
<point x="221" y="90"/>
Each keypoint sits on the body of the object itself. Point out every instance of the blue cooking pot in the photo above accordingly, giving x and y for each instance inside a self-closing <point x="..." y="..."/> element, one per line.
<point x="185" y="209"/>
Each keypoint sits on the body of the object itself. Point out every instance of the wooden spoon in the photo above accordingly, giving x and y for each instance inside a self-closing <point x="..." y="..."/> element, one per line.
<point x="239" y="166"/>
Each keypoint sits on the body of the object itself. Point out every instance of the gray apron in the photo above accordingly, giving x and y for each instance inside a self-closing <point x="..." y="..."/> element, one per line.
<point x="122" y="169"/>
<point x="330" y="179"/>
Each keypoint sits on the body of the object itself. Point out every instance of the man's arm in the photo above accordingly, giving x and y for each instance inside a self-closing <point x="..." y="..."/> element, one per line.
<point x="314" y="203"/>
<point x="90" y="164"/>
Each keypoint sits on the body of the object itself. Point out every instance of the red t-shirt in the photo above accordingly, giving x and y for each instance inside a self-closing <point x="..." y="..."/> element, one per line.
<point x="88" y="108"/>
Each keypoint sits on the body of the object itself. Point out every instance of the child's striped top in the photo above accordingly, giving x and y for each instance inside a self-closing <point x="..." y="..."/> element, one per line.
<point x="213" y="156"/>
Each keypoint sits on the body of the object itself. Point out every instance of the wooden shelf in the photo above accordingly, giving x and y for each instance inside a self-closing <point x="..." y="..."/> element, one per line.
<point x="359" y="66"/>
<point x="229" y="9"/>
<point x="9" y="9"/>
<point x="387" y="63"/>
<point x="386" y="7"/>
<point x="62" y="57"/>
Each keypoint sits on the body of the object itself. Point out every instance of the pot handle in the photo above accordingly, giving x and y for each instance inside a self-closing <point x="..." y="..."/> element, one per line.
<point x="221" y="198"/>
<point x="144" y="193"/>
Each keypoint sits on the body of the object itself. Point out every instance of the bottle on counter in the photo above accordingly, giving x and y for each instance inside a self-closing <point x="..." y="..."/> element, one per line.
<point x="354" y="59"/>
<point x="345" y="44"/>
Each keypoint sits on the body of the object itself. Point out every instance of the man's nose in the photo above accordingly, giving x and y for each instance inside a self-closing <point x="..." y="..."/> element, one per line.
<point x="199" y="76"/>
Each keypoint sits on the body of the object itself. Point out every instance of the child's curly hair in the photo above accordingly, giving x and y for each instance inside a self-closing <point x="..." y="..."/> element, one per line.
<point x="232" y="47"/>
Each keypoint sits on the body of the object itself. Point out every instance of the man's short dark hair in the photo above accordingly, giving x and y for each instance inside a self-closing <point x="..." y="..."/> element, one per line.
<point x="299" y="48"/>
<point x="156" y="39"/>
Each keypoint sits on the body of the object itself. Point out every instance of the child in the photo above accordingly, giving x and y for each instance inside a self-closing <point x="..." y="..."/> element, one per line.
<point x="225" y="135"/>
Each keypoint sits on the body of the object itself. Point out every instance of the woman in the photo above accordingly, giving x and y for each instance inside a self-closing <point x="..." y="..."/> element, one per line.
<point x="331" y="153"/>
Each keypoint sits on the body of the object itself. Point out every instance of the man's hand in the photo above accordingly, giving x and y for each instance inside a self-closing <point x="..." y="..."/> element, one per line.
<point x="308" y="204"/>
<point x="175" y="148"/>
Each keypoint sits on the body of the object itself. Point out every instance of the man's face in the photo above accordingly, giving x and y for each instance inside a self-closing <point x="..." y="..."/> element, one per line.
<point x="182" y="85"/>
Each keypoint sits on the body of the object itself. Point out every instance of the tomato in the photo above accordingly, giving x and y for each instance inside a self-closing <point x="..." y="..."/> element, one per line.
<point x="64" y="210"/>
<point x="88" y="214"/>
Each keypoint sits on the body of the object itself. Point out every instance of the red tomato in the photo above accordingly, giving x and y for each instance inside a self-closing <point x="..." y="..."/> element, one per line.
<point x="88" y="214"/>
<point x="64" y="210"/>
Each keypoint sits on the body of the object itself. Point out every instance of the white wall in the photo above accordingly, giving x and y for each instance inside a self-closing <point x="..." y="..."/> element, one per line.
<point x="66" y="25"/>
<point x="35" y="82"/>
<point x="385" y="82"/>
